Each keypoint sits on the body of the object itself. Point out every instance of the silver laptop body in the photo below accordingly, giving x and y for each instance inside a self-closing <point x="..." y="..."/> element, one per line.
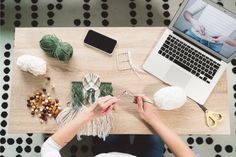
<point x="182" y="60"/>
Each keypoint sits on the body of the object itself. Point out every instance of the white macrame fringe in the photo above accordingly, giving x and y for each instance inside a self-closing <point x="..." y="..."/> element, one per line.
<point x="100" y="126"/>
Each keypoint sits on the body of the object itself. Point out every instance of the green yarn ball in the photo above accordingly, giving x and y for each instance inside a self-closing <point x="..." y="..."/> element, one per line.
<point x="56" y="48"/>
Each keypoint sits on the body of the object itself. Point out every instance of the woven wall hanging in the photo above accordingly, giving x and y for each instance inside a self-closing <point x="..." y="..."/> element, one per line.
<point x="85" y="93"/>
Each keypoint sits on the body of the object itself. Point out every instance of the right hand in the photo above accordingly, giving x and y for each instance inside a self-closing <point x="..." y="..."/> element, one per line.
<point x="198" y="26"/>
<point x="145" y="110"/>
<point x="99" y="107"/>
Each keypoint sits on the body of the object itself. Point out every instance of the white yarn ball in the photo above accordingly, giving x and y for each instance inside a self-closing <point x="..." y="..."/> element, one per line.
<point x="35" y="65"/>
<point x="170" y="98"/>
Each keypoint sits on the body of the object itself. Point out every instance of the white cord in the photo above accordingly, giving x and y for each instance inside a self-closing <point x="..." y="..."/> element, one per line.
<point x="129" y="61"/>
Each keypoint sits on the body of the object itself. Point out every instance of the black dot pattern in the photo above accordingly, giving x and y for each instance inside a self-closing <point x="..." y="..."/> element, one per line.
<point x="166" y="13"/>
<point x="149" y="21"/>
<point x="104" y="13"/>
<point x="2" y="140"/>
<point x="190" y="140"/>
<point x="35" y="16"/>
<point x="29" y="140"/>
<point x="18" y="7"/>
<point x="10" y="141"/>
<point x="2" y="14"/>
<point x="37" y="149"/>
<point x="50" y="22"/>
<point x="34" y="13"/>
<point x="5" y="87"/>
<point x="86" y="15"/>
<point x="4" y="114"/>
<point x="199" y="140"/>
<point x="27" y="149"/>
<point x="220" y="3"/>
<point x="228" y="148"/>
<point x="77" y="22"/>
<point x="218" y="148"/>
<point x="209" y="140"/>
<point x="3" y="132"/>
<point x="132" y="6"/>
<point x="19" y="140"/>
<point x="50" y="6"/>
<point x="233" y="62"/>
<point x="51" y="14"/>
<point x="4" y="105"/>
<point x="19" y="149"/>
<point x="7" y="46"/>
<point x="4" y="123"/>
<point x="59" y="6"/>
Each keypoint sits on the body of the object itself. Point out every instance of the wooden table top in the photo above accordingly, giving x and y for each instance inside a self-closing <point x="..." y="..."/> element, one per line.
<point x="188" y="119"/>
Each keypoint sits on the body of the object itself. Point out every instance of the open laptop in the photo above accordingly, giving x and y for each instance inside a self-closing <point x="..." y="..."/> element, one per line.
<point x="194" y="51"/>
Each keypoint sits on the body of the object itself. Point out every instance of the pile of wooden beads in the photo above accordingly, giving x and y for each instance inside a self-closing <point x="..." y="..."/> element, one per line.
<point x="43" y="105"/>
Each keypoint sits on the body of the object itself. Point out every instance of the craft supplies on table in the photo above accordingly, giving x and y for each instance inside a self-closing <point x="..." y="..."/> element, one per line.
<point x="34" y="65"/>
<point x="212" y="118"/>
<point x="124" y="61"/>
<point x="43" y="106"/>
<point x="54" y="47"/>
<point x="169" y="98"/>
<point x="84" y="94"/>
<point x="84" y="60"/>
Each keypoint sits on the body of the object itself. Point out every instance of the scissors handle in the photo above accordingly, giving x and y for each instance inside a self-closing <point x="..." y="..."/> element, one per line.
<point x="213" y="118"/>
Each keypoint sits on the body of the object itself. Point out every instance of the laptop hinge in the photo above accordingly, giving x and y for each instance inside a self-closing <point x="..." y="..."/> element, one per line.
<point x="197" y="46"/>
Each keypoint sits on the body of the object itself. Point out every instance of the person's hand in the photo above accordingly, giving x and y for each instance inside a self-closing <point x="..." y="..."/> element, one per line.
<point x="100" y="106"/>
<point x="198" y="26"/>
<point x="145" y="110"/>
<point x="219" y="38"/>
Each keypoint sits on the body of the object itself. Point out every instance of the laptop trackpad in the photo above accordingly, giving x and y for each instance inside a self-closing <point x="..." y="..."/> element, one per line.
<point x="177" y="77"/>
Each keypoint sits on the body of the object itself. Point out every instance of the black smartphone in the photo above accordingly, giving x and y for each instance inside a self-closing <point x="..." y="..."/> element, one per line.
<point x="100" y="41"/>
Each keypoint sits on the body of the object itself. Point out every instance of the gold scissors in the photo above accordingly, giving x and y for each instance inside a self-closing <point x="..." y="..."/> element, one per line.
<point x="212" y="118"/>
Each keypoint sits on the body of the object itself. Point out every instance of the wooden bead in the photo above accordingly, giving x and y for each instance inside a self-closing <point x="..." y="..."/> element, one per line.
<point x="43" y="105"/>
<point x="48" y="78"/>
<point x="57" y="101"/>
<point x="32" y="112"/>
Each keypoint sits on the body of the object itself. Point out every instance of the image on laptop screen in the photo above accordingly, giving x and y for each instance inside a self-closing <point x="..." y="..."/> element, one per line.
<point x="209" y="26"/>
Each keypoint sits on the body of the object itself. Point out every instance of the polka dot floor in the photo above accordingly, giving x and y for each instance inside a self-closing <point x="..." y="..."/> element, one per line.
<point x="100" y="13"/>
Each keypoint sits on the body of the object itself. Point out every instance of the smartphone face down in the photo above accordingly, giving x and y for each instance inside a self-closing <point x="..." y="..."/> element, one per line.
<point x="100" y="41"/>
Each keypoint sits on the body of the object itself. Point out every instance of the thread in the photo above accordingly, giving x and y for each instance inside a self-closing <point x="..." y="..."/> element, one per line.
<point x="54" y="47"/>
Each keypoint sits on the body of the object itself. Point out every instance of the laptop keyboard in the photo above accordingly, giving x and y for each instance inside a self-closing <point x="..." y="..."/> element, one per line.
<point x="188" y="58"/>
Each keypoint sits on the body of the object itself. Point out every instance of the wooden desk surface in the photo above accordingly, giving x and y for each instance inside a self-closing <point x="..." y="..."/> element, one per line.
<point x="187" y="120"/>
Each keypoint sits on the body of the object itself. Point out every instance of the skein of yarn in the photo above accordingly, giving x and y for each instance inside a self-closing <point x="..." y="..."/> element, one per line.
<point x="35" y="65"/>
<point x="169" y="98"/>
<point x="56" y="48"/>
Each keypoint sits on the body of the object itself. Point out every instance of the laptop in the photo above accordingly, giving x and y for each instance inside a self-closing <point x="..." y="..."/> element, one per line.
<point x="194" y="51"/>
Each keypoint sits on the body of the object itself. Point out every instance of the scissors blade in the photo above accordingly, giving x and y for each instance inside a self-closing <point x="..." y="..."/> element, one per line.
<point x="202" y="107"/>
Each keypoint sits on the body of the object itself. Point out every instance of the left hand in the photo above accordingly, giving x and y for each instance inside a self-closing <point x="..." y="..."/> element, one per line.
<point x="145" y="110"/>
<point x="97" y="108"/>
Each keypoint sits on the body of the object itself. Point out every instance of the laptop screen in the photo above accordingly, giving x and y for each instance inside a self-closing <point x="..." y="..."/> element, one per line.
<point x="210" y="27"/>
